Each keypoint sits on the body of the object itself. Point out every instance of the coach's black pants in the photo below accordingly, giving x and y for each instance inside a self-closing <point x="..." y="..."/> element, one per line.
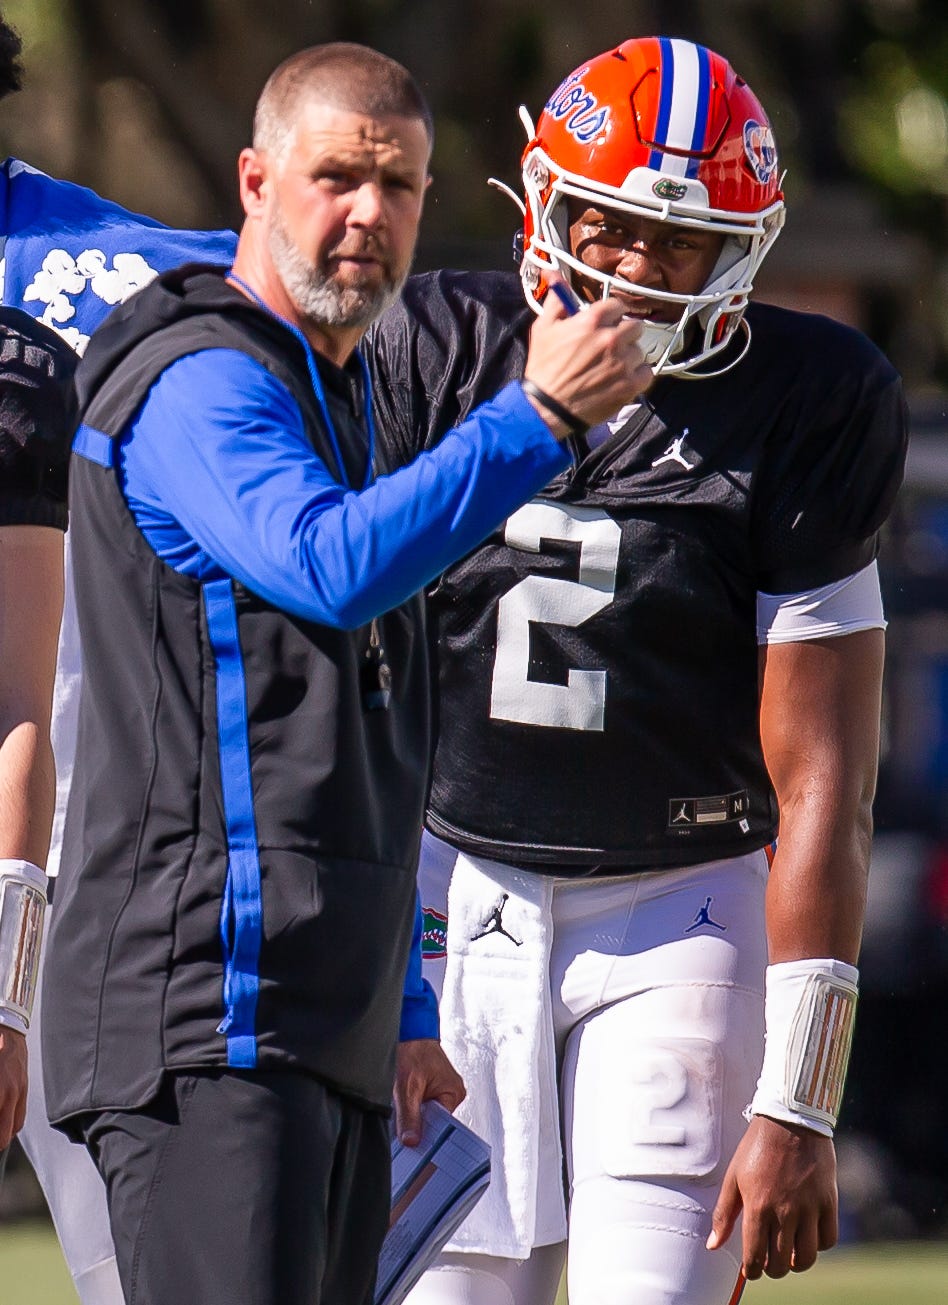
<point x="245" y="1189"/>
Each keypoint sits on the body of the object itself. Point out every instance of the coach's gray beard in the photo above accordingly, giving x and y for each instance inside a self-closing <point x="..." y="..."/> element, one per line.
<point x="317" y="297"/>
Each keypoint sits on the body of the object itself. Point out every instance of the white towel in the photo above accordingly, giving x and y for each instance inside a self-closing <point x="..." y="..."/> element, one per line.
<point x="497" y="1031"/>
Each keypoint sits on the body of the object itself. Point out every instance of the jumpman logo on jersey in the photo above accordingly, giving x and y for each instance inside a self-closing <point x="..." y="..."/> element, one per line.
<point x="493" y="924"/>
<point x="703" y="916"/>
<point x="674" y="454"/>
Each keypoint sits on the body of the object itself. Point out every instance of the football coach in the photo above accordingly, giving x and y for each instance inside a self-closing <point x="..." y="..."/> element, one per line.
<point x="237" y="898"/>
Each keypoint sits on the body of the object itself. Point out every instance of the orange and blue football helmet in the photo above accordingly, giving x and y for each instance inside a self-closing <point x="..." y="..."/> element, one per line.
<point x="663" y="129"/>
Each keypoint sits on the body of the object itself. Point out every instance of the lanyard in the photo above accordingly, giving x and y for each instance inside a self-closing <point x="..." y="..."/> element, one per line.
<point x="318" y="389"/>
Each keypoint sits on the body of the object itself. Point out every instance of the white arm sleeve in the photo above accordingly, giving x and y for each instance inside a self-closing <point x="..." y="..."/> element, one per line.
<point x="842" y="607"/>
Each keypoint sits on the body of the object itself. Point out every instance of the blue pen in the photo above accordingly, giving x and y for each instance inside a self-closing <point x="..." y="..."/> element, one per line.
<point x="565" y="297"/>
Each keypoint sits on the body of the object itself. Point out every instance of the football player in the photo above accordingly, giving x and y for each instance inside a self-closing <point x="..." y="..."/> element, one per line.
<point x="35" y="431"/>
<point x="671" y="655"/>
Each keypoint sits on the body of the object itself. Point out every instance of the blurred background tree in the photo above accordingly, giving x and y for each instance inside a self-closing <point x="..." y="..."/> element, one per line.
<point x="149" y="101"/>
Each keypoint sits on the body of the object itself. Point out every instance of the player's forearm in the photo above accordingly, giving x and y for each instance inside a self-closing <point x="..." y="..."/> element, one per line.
<point x="31" y="599"/>
<point x="27" y="793"/>
<point x="816" y="895"/>
<point x="27" y="796"/>
<point x="815" y="907"/>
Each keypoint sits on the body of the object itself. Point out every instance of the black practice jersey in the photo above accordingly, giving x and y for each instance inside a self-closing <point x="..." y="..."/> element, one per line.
<point x="598" y="654"/>
<point x="36" y="421"/>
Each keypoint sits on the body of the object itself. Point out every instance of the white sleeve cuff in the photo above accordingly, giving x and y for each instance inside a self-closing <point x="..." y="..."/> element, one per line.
<point x="843" y="607"/>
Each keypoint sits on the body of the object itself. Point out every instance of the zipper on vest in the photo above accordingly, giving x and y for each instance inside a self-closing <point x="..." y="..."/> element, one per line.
<point x="375" y="674"/>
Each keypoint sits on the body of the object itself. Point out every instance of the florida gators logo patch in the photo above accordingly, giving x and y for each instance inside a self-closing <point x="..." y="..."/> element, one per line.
<point x="668" y="188"/>
<point x="434" y="934"/>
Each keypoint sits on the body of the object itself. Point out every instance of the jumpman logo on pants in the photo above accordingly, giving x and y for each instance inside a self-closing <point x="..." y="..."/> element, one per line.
<point x="703" y="916"/>
<point x="493" y="924"/>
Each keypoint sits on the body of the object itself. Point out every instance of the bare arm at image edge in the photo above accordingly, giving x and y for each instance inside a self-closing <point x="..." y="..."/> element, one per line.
<point x="31" y="598"/>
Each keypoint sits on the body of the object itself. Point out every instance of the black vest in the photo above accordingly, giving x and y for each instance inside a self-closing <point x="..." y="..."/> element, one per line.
<point x="238" y="876"/>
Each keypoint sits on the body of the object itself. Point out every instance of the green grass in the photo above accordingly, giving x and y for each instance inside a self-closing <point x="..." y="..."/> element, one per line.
<point x="903" y="1273"/>
<point x="32" y="1269"/>
<point x="32" y="1272"/>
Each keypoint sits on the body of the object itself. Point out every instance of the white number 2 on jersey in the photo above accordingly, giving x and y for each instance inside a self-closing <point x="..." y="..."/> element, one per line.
<point x="580" y="704"/>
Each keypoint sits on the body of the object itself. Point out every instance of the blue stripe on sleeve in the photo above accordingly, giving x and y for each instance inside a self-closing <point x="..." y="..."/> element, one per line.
<point x="242" y="911"/>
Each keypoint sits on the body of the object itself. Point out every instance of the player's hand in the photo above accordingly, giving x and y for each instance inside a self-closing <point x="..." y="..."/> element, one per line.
<point x="12" y="1084"/>
<point x="784" y="1178"/>
<point x="589" y="362"/>
<point x="423" y="1073"/>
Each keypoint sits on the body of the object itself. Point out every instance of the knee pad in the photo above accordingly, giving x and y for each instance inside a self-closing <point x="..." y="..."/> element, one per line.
<point x="642" y="1106"/>
<point x="635" y="1243"/>
<point x="454" y="1284"/>
<point x="460" y="1279"/>
<point x="661" y="1115"/>
<point x="655" y="1086"/>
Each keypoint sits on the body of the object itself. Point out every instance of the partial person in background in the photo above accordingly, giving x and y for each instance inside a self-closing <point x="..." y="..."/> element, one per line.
<point x="673" y="651"/>
<point x="36" y="423"/>
<point x="68" y="257"/>
<point x="236" y="901"/>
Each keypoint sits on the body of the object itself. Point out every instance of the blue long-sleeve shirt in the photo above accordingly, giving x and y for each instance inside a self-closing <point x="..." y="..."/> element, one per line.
<point x="221" y="480"/>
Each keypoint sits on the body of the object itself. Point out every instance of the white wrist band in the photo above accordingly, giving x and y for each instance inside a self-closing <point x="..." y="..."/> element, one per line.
<point x="809" y="1013"/>
<point x="22" y="908"/>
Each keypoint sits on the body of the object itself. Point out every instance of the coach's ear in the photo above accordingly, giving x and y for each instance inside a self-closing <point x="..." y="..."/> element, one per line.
<point x="423" y="1073"/>
<point x="254" y="168"/>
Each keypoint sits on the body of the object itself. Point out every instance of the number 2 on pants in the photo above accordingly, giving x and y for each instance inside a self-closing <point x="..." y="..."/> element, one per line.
<point x="580" y="704"/>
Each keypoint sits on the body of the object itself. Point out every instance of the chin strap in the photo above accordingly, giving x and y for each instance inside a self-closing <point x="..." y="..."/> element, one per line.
<point x="700" y="373"/>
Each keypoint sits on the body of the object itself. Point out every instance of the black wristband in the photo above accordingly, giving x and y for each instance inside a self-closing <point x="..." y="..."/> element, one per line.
<point x="569" y="419"/>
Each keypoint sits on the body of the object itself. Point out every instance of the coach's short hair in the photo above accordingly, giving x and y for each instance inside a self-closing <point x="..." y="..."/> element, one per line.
<point x="343" y="75"/>
<point x="11" y="70"/>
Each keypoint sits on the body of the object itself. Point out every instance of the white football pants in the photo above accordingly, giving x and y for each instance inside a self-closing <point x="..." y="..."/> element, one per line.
<point x="73" y="1187"/>
<point x="656" y="983"/>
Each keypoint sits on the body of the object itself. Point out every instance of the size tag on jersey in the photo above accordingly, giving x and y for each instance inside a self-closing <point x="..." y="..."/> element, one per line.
<point x="720" y="809"/>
